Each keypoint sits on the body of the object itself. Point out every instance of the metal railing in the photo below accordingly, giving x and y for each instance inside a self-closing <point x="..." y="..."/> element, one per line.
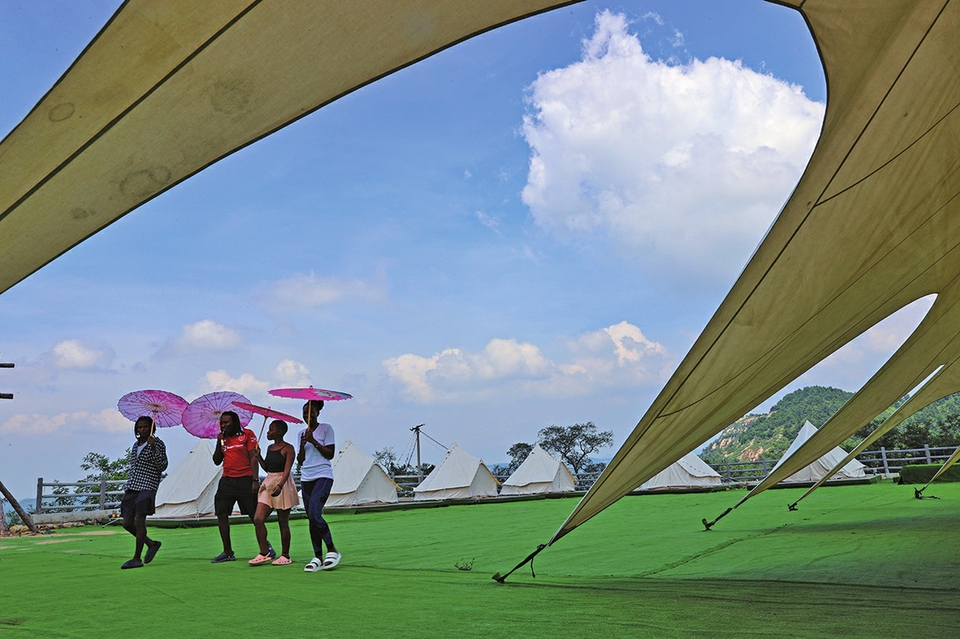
<point x="105" y="494"/>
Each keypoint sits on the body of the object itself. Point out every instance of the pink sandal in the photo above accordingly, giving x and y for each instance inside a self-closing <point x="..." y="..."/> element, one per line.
<point x="282" y="561"/>
<point x="259" y="560"/>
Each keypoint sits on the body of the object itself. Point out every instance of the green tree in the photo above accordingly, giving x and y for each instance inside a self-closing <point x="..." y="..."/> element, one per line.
<point x="100" y="466"/>
<point x="574" y="444"/>
<point x="387" y="458"/>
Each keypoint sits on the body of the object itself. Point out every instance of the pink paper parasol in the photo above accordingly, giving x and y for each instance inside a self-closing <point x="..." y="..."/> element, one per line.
<point x="202" y="417"/>
<point x="164" y="407"/>
<point x="267" y="413"/>
<point x="310" y="393"/>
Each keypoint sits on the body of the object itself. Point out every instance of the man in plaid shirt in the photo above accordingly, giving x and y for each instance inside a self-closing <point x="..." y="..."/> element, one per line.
<point x="148" y="460"/>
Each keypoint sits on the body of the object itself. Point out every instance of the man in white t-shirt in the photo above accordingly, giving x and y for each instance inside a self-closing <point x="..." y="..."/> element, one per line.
<point x="316" y="449"/>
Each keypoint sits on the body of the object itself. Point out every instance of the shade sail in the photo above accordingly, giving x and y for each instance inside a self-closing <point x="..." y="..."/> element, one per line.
<point x="167" y="88"/>
<point x="871" y="227"/>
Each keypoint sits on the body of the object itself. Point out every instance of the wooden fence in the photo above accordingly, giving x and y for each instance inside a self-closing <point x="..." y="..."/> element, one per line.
<point x="891" y="461"/>
<point x="876" y="462"/>
<point x="95" y="495"/>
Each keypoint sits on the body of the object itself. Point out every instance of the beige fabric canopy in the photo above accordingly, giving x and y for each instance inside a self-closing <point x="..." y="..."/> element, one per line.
<point x="871" y="227"/>
<point x="167" y="88"/>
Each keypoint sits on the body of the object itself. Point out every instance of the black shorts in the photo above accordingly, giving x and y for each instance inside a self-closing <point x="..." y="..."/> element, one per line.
<point x="235" y="490"/>
<point x="138" y="502"/>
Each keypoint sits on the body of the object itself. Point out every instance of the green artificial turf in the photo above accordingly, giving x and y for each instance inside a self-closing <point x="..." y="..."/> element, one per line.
<point x="865" y="561"/>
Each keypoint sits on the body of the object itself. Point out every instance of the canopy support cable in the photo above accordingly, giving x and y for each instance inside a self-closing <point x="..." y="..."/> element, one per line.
<point x="501" y="579"/>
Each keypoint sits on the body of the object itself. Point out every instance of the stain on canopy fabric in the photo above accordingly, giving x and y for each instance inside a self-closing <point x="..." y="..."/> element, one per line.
<point x="168" y="88"/>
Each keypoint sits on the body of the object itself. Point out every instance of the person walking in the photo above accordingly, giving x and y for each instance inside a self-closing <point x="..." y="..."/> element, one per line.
<point x="238" y="451"/>
<point x="276" y="492"/>
<point x="316" y="449"/>
<point x="148" y="460"/>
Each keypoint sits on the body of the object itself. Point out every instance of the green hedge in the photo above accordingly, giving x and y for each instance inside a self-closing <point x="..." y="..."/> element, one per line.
<point x="922" y="473"/>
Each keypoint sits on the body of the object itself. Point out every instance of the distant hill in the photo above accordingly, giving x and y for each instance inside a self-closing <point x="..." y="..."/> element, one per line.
<point x="769" y="435"/>
<point x="27" y="505"/>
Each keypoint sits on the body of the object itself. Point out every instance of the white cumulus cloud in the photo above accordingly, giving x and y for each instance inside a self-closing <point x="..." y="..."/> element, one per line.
<point x="221" y="380"/>
<point x="616" y="355"/>
<point x="208" y="335"/>
<point x="109" y="420"/>
<point x="310" y="291"/>
<point x="682" y="165"/>
<point x="291" y="373"/>
<point x="72" y="354"/>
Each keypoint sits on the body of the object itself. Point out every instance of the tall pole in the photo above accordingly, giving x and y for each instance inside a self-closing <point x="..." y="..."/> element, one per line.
<point x="416" y="429"/>
<point x="16" y="506"/>
<point x="3" y="489"/>
<point x="6" y="365"/>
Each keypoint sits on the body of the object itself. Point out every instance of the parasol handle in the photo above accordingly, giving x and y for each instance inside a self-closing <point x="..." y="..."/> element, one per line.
<point x="264" y="425"/>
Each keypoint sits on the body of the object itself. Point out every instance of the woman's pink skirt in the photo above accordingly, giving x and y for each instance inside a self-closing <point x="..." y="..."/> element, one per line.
<point x="287" y="498"/>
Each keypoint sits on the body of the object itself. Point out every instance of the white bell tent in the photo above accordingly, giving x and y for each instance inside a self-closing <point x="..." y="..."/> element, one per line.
<point x="687" y="472"/>
<point x="539" y="473"/>
<point x="820" y="467"/>
<point x="459" y="476"/>
<point x="189" y="488"/>
<point x="358" y="479"/>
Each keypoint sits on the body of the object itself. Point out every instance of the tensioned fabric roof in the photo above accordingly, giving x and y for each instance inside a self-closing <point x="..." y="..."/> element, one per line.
<point x="873" y="225"/>
<point x="167" y="88"/>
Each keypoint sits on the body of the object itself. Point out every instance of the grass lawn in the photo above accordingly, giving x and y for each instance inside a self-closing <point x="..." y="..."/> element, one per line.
<point x="862" y="561"/>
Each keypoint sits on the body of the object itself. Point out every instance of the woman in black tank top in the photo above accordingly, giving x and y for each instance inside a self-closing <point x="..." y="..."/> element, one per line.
<point x="277" y="492"/>
<point x="274" y="462"/>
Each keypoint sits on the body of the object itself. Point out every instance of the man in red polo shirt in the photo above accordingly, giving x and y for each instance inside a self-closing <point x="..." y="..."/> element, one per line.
<point x="237" y="450"/>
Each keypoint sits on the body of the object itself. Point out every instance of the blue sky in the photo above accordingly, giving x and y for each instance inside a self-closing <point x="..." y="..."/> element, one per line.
<point x="527" y="229"/>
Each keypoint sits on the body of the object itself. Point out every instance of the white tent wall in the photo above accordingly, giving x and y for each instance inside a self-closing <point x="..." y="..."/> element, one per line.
<point x="540" y="473"/>
<point x="820" y="467"/>
<point x="459" y="476"/>
<point x="189" y="488"/>
<point x="688" y="472"/>
<point x="358" y="479"/>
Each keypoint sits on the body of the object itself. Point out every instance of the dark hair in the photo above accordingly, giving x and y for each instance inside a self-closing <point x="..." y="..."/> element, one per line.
<point x="281" y="426"/>
<point x="145" y="418"/>
<point x="315" y="404"/>
<point x="237" y="427"/>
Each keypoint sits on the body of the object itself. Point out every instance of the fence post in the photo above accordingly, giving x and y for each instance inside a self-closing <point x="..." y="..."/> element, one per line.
<point x="103" y="492"/>
<point x="39" y="505"/>
<point x="726" y="464"/>
<point x="926" y="449"/>
<point x="763" y="466"/>
<point x="883" y="457"/>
